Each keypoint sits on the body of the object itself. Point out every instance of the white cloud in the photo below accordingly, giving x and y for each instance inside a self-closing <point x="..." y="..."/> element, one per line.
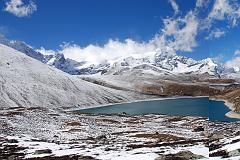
<point x="181" y="32"/>
<point x="219" y="58"/>
<point x="174" y="6"/>
<point x="237" y="52"/>
<point x="234" y="63"/>
<point x="217" y="33"/>
<point x="45" y="51"/>
<point x="111" y="51"/>
<point x="224" y="10"/>
<point x="201" y="3"/>
<point x="19" y="8"/>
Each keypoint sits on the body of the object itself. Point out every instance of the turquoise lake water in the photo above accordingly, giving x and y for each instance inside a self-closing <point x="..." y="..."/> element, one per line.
<point x="202" y="106"/>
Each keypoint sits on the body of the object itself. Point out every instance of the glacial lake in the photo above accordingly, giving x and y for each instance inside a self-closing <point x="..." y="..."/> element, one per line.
<point x="201" y="106"/>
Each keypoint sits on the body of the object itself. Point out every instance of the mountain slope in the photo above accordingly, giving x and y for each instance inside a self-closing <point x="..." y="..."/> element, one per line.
<point x="22" y="47"/>
<point x="27" y="82"/>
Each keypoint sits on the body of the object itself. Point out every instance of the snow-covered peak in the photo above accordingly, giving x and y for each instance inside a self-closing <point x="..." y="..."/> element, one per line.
<point x="210" y="62"/>
<point x="22" y="47"/>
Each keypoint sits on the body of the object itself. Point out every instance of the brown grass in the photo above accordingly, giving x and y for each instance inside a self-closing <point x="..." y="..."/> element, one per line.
<point x="226" y="81"/>
<point x="179" y="89"/>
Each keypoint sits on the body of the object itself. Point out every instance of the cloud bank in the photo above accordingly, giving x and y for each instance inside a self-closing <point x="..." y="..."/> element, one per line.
<point x="19" y="8"/>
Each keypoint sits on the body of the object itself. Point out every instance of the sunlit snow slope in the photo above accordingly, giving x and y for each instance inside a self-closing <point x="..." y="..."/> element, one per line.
<point x="27" y="82"/>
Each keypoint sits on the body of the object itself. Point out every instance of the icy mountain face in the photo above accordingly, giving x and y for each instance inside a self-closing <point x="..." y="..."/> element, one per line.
<point x="226" y="72"/>
<point x="164" y="63"/>
<point x="57" y="60"/>
<point x="73" y="67"/>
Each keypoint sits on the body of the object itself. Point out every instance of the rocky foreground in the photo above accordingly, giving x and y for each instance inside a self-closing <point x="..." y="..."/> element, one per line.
<point x="46" y="131"/>
<point x="37" y="133"/>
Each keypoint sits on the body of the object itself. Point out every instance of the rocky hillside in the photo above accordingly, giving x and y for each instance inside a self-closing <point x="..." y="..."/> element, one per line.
<point x="159" y="84"/>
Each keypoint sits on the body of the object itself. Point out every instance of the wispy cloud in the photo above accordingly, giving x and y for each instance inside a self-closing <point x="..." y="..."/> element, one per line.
<point x="237" y="52"/>
<point x="174" y="6"/>
<point x="201" y="3"/>
<point x="181" y="32"/>
<point x="19" y="8"/>
<point x="224" y="10"/>
<point x="217" y="33"/>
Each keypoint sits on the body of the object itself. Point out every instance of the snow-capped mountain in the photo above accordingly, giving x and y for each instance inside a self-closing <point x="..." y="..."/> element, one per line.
<point x="22" y="47"/>
<point x="56" y="60"/>
<point x="162" y="61"/>
<point x="26" y="82"/>
<point x="73" y="67"/>
<point x="60" y="62"/>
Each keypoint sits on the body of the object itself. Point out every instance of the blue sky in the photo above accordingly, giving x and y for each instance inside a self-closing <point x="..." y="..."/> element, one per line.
<point x="213" y="31"/>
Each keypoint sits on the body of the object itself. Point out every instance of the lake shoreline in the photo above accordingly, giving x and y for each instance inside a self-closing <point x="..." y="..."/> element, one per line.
<point x="231" y="113"/>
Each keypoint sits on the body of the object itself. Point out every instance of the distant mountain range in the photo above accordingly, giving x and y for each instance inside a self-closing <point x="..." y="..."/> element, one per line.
<point x="161" y="62"/>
